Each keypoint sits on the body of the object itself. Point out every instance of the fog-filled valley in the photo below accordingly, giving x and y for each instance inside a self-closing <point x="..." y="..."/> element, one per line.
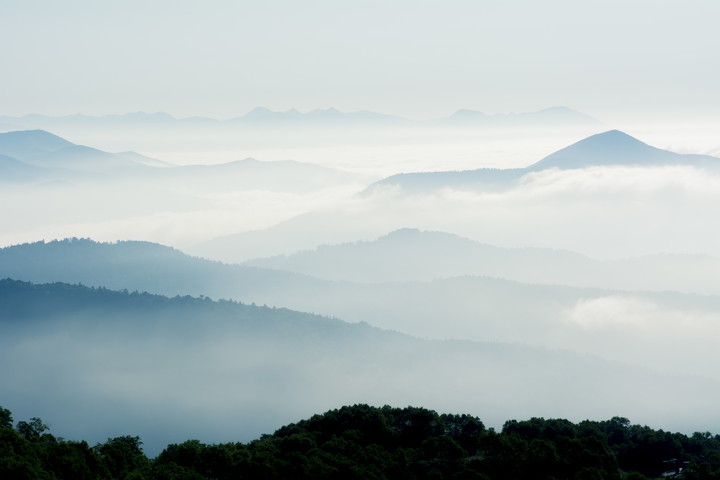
<point x="512" y="188"/>
<point x="359" y="240"/>
<point x="112" y="362"/>
<point x="544" y="265"/>
<point x="633" y="325"/>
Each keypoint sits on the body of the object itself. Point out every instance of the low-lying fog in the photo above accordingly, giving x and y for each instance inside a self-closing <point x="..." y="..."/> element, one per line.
<point x="309" y="188"/>
<point x="602" y="212"/>
<point x="192" y="371"/>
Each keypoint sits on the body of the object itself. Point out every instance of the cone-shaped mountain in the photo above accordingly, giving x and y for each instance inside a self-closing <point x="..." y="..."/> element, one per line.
<point x="604" y="149"/>
<point x="609" y="148"/>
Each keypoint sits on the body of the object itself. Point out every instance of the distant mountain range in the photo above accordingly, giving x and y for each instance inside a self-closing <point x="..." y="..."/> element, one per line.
<point x="469" y="307"/>
<point x="548" y="116"/>
<point x="408" y="317"/>
<point x="261" y="116"/>
<point x="38" y="155"/>
<point x="612" y="148"/>
<point x="408" y="254"/>
<point x="265" y="116"/>
<point x="168" y="369"/>
<point x="43" y="155"/>
<point x="307" y="231"/>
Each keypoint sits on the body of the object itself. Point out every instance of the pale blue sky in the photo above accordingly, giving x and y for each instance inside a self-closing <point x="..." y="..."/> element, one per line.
<point x="414" y="58"/>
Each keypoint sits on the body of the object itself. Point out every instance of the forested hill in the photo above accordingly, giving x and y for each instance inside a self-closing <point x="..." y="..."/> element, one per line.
<point x="105" y="363"/>
<point x="143" y="266"/>
<point x="38" y="303"/>
<point x="363" y="442"/>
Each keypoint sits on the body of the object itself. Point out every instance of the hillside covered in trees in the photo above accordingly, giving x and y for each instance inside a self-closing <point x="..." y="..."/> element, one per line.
<point x="364" y="442"/>
<point x="104" y="363"/>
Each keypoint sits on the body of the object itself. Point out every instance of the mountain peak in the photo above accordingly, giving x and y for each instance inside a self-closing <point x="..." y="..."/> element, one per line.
<point x="612" y="136"/>
<point x="608" y="148"/>
<point x="466" y="113"/>
<point x="24" y="143"/>
<point x="35" y="136"/>
<point x="558" y="115"/>
<point x="264" y="113"/>
<point x="612" y="141"/>
<point x="327" y="113"/>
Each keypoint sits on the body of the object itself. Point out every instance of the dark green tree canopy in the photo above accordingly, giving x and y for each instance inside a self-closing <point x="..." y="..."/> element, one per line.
<point x="364" y="442"/>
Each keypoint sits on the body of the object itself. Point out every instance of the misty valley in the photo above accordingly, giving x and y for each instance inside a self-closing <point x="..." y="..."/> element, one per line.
<point x="553" y="294"/>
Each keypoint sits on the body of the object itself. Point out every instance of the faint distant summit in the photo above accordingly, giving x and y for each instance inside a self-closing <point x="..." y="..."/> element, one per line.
<point x="558" y="115"/>
<point x="264" y="114"/>
<point x="313" y="117"/>
<point x="265" y="117"/>
<point x="560" y="110"/>
<point x="465" y="114"/>
<point x="548" y="117"/>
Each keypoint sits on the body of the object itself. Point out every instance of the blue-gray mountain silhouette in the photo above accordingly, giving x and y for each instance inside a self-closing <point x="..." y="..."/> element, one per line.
<point x="410" y="254"/>
<point x="471" y="303"/>
<point x="264" y="117"/>
<point x="330" y="116"/>
<point x="14" y="170"/>
<point x="49" y="155"/>
<point x="618" y="148"/>
<point x="102" y="363"/>
<point x="33" y="155"/>
<point x="23" y="144"/>
<point x="612" y="148"/>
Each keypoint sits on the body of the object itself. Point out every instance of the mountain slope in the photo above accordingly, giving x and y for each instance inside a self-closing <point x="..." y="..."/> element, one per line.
<point x="415" y="255"/>
<point x="14" y="170"/>
<point x="251" y="174"/>
<point x="56" y="158"/>
<point x="617" y="148"/>
<point x="27" y="143"/>
<point x="637" y="327"/>
<point x="86" y="159"/>
<point x="141" y="266"/>
<point x="612" y="148"/>
<point x="43" y="149"/>
<point x="107" y="363"/>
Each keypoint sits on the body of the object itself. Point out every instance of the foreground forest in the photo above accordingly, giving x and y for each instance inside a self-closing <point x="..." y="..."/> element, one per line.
<point x="364" y="442"/>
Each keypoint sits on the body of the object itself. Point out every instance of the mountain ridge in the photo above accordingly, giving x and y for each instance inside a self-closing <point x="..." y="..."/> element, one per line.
<point x="21" y="144"/>
<point x="610" y="148"/>
<point x="46" y="156"/>
<point x="481" y="306"/>
<point x="551" y="115"/>
<point x="51" y="152"/>
<point x="613" y="147"/>
<point x="411" y="254"/>
<point x="557" y="115"/>
<point x="121" y="358"/>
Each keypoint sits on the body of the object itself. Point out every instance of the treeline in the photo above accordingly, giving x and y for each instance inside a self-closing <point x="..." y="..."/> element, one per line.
<point x="25" y="300"/>
<point x="363" y="442"/>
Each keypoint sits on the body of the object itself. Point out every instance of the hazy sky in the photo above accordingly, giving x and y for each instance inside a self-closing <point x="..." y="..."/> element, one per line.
<point x="407" y="57"/>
